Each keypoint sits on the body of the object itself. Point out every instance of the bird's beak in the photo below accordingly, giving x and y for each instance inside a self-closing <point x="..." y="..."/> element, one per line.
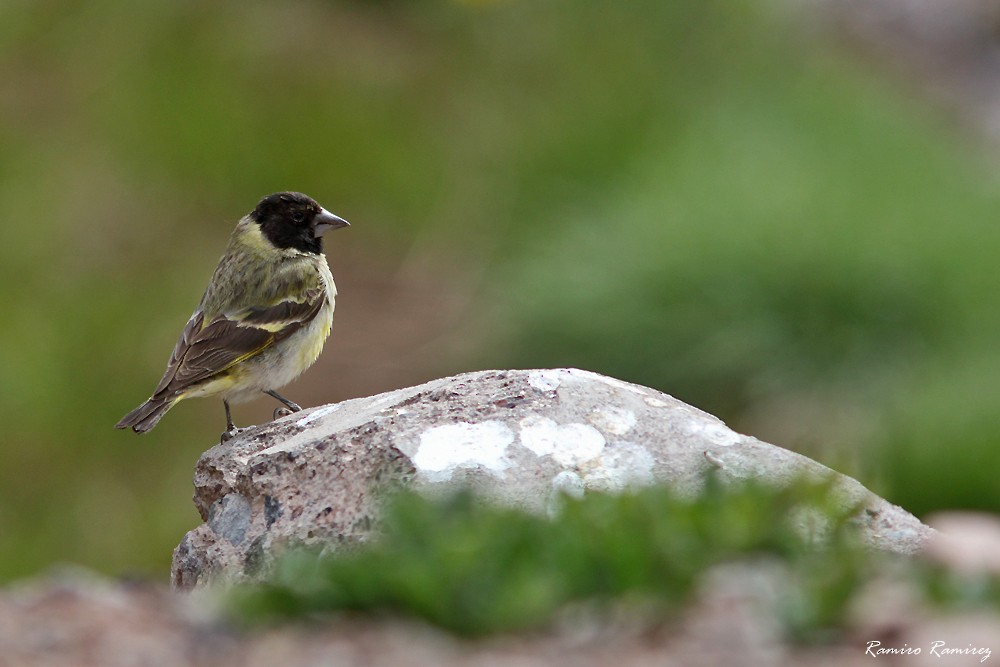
<point x="325" y="221"/>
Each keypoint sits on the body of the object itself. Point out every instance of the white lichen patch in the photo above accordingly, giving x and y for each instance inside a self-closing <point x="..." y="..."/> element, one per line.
<point x="655" y="402"/>
<point x="545" y="380"/>
<point x="715" y="432"/>
<point x="569" y="444"/>
<point x="445" y="449"/>
<point x="622" y="465"/>
<point x="613" y="419"/>
<point x="317" y="414"/>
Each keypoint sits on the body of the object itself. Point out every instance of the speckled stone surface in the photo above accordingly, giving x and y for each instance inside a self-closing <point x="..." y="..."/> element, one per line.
<point x="521" y="437"/>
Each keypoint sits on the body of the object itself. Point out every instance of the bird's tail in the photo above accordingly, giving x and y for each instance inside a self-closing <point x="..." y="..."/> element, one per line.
<point x="145" y="417"/>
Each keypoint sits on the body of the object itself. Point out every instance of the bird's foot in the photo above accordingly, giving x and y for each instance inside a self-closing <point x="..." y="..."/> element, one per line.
<point x="231" y="433"/>
<point x="282" y="412"/>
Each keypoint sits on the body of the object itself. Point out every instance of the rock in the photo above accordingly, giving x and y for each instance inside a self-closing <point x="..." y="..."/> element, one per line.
<point x="520" y="437"/>
<point x="967" y="543"/>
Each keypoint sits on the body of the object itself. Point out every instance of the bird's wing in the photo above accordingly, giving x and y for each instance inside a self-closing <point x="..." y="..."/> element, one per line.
<point x="207" y="349"/>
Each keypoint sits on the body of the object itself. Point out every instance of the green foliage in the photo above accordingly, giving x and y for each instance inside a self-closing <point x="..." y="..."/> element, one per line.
<point x="475" y="568"/>
<point x="781" y="248"/>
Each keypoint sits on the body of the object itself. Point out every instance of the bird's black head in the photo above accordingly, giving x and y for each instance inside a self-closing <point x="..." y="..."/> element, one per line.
<point x="293" y="220"/>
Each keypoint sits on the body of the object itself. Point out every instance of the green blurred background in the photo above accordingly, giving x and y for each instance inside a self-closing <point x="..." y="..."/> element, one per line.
<point x="696" y="195"/>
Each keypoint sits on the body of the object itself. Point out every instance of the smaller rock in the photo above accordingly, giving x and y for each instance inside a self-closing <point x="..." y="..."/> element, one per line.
<point x="966" y="542"/>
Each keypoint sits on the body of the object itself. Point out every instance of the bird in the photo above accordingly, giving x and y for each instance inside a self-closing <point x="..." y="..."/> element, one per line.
<point x="263" y="319"/>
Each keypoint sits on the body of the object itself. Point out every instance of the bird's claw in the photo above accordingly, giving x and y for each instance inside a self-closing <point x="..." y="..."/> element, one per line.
<point x="230" y="434"/>
<point x="282" y="412"/>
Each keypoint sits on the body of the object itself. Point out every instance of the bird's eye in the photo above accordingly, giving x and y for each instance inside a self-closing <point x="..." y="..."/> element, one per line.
<point x="298" y="216"/>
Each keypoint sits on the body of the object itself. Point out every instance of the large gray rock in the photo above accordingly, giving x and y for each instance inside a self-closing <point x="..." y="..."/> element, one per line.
<point x="522" y="437"/>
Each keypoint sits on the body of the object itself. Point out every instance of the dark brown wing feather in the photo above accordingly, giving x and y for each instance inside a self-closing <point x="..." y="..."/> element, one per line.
<point x="204" y="351"/>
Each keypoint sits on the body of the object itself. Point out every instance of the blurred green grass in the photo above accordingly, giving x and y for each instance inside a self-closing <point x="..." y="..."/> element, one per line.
<point x="476" y="569"/>
<point x="693" y="195"/>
